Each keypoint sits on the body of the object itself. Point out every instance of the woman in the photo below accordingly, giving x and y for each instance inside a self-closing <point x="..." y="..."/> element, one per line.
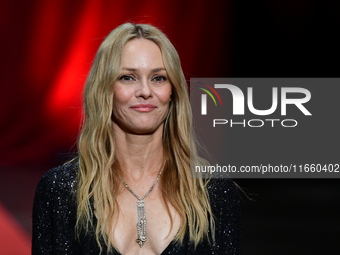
<point x="130" y="190"/>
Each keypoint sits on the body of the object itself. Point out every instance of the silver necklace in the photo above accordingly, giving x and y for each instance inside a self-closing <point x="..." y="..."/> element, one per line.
<point x="141" y="221"/>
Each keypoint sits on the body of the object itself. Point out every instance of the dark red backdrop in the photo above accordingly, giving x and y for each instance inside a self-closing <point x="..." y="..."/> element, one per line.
<point x="47" y="48"/>
<point x="46" y="51"/>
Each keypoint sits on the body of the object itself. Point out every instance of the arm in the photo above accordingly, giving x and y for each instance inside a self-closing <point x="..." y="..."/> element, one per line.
<point x="42" y="219"/>
<point x="54" y="213"/>
<point x="226" y="208"/>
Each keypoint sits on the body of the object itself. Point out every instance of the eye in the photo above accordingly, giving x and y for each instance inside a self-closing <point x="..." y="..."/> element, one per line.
<point x="159" y="78"/>
<point x="126" y="78"/>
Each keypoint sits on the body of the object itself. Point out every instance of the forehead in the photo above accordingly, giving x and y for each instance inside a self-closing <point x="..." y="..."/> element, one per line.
<point x="142" y="53"/>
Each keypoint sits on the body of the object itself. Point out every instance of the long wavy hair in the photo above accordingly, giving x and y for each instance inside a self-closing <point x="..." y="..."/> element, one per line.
<point x="97" y="182"/>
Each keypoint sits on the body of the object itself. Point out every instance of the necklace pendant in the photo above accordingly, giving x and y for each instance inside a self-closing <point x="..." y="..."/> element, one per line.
<point x="141" y="223"/>
<point x="141" y="241"/>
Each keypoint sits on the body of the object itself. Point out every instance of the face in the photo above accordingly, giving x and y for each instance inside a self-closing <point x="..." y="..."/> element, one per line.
<point x="142" y="91"/>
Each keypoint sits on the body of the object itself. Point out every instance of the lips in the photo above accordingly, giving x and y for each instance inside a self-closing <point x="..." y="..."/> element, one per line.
<point x="143" y="107"/>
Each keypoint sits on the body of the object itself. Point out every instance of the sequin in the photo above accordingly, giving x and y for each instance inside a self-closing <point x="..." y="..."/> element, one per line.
<point x="54" y="217"/>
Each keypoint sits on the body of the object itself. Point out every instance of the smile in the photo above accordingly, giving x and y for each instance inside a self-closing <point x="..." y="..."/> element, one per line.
<point x="143" y="107"/>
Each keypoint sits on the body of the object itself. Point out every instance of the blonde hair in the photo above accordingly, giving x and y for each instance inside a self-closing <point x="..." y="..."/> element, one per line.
<point x="97" y="181"/>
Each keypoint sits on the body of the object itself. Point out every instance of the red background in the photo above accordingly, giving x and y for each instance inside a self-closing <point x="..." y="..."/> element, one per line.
<point x="47" y="47"/>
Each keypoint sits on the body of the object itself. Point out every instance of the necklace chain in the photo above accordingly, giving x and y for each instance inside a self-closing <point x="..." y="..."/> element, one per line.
<point x="147" y="193"/>
<point x="141" y="221"/>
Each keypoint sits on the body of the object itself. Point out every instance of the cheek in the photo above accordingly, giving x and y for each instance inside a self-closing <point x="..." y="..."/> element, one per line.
<point x="120" y="96"/>
<point x="165" y="95"/>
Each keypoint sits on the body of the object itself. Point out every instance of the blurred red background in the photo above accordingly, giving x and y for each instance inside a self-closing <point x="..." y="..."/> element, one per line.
<point x="47" y="49"/>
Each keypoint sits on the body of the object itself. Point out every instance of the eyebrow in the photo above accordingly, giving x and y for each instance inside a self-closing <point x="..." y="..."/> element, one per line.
<point x="153" y="70"/>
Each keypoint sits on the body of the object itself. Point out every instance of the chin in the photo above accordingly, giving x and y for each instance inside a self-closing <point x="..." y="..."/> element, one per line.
<point x="144" y="130"/>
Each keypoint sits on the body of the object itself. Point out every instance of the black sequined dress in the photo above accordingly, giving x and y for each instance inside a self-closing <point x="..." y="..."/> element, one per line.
<point x="54" y="217"/>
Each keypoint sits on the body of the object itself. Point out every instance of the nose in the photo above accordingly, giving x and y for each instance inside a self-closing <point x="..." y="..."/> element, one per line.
<point x="144" y="89"/>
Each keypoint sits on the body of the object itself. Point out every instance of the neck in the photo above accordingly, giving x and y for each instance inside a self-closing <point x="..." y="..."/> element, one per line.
<point x="139" y="156"/>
